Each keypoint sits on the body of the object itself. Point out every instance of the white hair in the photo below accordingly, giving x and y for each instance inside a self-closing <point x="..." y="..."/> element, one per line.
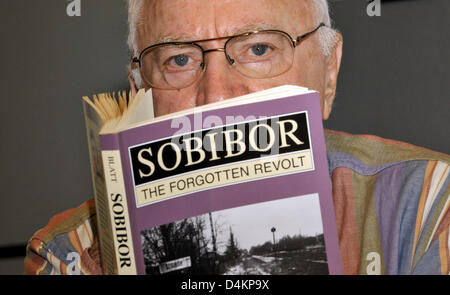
<point x="134" y="17"/>
<point x="327" y="35"/>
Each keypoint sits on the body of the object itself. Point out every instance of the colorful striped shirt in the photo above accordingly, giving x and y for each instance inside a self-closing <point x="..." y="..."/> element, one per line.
<point x="391" y="202"/>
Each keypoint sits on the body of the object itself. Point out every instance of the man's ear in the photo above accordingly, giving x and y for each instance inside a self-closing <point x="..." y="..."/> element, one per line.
<point x="333" y="65"/>
<point x="133" y="87"/>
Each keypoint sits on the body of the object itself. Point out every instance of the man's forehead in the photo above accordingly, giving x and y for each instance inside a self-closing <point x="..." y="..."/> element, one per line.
<point x="183" y="20"/>
<point x="228" y="31"/>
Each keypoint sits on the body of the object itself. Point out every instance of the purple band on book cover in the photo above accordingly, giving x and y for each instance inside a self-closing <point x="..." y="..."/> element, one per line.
<point x="232" y="195"/>
<point x="109" y="142"/>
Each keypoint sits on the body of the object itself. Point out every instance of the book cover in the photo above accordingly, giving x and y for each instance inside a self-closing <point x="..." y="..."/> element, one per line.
<point x="242" y="189"/>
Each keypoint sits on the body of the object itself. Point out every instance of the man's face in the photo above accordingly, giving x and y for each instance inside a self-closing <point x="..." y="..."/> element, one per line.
<point x="187" y="20"/>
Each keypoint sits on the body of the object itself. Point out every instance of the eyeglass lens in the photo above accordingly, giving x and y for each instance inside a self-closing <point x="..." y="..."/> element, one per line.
<point x="258" y="55"/>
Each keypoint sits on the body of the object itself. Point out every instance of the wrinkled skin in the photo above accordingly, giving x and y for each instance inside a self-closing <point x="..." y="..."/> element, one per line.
<point x="188" y="20"/>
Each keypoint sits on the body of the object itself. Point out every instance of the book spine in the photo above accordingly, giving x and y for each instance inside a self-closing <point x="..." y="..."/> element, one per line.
<point x="124" y="261"/>
<point x="93" y="125"/>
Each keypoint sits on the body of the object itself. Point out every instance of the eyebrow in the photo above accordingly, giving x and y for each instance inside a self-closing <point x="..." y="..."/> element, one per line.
<point x="173" y="38"/>
<point x="249" y="28"/>
<point x="229" y="32"/>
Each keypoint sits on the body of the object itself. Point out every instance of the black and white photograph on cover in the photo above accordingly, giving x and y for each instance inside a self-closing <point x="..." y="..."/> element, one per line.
<point x="248" y="240"/>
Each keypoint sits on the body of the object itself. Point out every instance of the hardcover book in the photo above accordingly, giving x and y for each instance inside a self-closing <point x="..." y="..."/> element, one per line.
<point x="239" y="186"/>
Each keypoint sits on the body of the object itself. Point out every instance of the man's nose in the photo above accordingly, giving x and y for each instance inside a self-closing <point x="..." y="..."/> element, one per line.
<point x="220" y="81"/>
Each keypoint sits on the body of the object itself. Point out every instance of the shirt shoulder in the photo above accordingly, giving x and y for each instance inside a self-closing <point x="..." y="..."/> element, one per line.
<point x="68" y="244"/>
<point x="391" y="201"/>
<point x="375" y="151"/>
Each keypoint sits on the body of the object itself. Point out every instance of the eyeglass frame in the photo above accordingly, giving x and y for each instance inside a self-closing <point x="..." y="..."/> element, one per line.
<point x="295" y="42"/>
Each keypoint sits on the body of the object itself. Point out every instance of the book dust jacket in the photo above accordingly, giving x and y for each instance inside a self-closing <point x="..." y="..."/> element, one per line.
<point x="238" y="190"/>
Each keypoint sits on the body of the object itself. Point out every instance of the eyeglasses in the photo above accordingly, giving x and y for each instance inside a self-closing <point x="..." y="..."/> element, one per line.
<point x="256" y="54"/>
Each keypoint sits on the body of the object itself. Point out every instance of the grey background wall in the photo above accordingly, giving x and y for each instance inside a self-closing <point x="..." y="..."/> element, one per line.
<point x="394" y="79"/>
<point x="393" y="83"/>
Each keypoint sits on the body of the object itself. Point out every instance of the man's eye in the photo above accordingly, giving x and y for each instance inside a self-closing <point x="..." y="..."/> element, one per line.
<point x="259" y="49"/>
<point x="180" y="60"/>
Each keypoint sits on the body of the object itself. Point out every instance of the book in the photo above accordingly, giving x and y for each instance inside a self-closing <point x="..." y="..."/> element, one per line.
<point x="239" y="186"/>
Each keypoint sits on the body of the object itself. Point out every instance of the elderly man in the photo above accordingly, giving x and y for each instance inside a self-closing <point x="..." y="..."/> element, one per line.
<point x="391" y="199"/>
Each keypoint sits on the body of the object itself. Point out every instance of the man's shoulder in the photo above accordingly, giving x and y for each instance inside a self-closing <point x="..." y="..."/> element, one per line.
<point x="388" y="193"/>
<point x="66" y="221"/>
<point x="346" y="149"/>
<point x="69" y="237"/>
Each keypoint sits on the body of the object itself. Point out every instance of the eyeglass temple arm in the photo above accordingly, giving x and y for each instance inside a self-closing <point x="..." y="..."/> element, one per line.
<point x="302" y="37"/>
<point x="135" y="63"/>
